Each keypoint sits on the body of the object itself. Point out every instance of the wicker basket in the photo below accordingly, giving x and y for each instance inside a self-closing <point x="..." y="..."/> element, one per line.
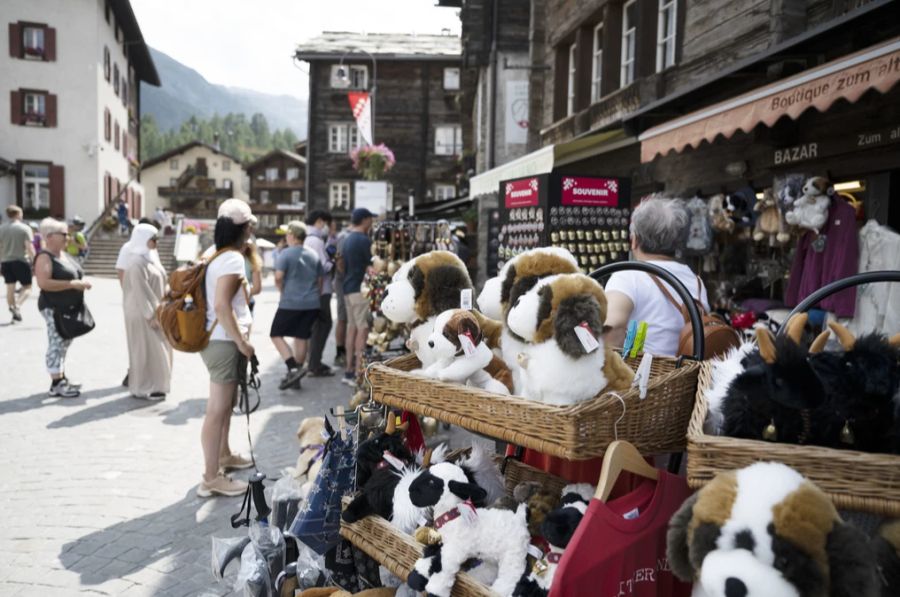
<point x="854" y="480"/>
<point x="654" y="425"/>
<point x="398" y="552"/>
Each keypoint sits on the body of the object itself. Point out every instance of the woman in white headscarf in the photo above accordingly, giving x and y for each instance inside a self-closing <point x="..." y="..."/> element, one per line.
<point x="144" y="284"/>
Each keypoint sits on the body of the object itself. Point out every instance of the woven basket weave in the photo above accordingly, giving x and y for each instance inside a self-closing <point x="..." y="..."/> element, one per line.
<point x="854" y="480"/>
<point x="654" y="425"/>
<point x="398" y="552"/>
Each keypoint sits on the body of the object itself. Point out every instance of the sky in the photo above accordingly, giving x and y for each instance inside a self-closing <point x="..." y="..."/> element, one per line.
<point x="249" y="43"/>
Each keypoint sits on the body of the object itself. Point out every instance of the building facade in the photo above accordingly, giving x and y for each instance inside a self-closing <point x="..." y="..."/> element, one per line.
<point x="72" y="106"/>
<point x="192" y="180"/>
<point x="416" y="114"/>
<point x="277" y="188"/>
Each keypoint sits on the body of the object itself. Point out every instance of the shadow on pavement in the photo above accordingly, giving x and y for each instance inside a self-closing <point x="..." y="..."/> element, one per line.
<point x="41" y="399"/>
<point x="106" y="410"/>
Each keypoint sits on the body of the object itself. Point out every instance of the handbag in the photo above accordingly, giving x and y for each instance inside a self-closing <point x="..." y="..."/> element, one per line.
<point x="318" y="522"/>
<point x="73" y="320"/>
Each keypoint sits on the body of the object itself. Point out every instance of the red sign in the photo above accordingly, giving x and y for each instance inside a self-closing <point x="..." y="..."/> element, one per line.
<point x="601" y="192"/>
<point x="522" y="193"/>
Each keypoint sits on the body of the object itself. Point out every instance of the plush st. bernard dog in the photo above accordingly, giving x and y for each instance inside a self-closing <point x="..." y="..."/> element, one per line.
<point x="564" y="359"/>
<point x="765" y="531"/>
<point x="518" y="276"/>
<point x="424" y="287"/>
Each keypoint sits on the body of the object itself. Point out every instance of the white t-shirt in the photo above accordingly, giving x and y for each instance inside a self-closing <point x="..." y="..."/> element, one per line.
<point x="228" y="263"/>
<point x="664" y="321"/>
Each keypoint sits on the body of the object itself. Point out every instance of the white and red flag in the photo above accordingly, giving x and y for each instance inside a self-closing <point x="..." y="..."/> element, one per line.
<point x="361" y="104"/>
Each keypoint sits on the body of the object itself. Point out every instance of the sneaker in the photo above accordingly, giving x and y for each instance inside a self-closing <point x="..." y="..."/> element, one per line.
<point x="323" y="371"/>
<point x="349" y="379"/>
<point x="234" y="462"/>
<point x="221" y="485"/>
<point x="292" y="376"/>
<point x="63" y="390"/>
<point x="72" y="384"/>
<point x="16" y="314"/>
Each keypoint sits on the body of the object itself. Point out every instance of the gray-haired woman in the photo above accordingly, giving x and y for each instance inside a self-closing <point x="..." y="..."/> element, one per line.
<point x="659" y="230"/>
<point x="60" y="279"/>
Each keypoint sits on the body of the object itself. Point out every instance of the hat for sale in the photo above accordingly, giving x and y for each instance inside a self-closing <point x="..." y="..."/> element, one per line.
<point x="235" y="210"/>
<point x="359" y="214"/>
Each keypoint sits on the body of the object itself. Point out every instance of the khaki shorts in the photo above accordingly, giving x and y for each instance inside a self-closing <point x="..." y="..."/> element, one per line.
<point x="357" y="310"/>
<point x="221" y="358"/>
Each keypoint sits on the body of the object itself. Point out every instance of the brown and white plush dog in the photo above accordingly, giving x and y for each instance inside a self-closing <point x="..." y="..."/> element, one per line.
<point x="425" y="287"/>
<point x="765" y="531"/>
<point x="312" y="450"/>
<point x="518" y="276"/>
<point x="472" y="364"/>
<point x="564" y="359"/>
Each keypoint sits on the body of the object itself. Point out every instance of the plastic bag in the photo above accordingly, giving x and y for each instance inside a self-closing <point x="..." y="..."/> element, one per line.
<point x="270" y="543"/>
<point x="253" y="578"/>
<point x="224" y="551"/>
<point x="285" y="497"/>
<point x="311" y="570"/>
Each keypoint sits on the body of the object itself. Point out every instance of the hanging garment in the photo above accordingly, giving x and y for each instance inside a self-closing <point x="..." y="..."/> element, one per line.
<point x="620" y="546"/>
<point x="877" y="305"/>
<point x="825" y="258"/>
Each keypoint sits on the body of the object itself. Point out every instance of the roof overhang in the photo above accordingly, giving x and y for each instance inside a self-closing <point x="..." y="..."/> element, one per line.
<point x="847" y="78"/>
<point x="138" y="51"/>
<point x="544" y="160"/>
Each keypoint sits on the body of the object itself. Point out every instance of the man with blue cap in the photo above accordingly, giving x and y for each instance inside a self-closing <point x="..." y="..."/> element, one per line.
<point x="354" y="258"/>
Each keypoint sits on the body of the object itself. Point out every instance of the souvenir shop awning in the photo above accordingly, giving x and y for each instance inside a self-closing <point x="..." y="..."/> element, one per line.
<point x="848" y="78"/>
<point x="545" y="159"/>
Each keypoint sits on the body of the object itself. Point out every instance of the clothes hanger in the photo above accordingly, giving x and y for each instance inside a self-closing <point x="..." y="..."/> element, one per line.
<point x="621" y="456"/>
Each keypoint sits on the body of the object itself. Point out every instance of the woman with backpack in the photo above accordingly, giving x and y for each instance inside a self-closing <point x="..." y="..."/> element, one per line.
<point x="60" y="279"/>
<point x="228" y="318"/>
<point x="143" y="286"/>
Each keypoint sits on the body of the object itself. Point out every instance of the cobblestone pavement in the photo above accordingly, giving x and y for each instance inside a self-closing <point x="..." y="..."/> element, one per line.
<point x="97" y="492"/>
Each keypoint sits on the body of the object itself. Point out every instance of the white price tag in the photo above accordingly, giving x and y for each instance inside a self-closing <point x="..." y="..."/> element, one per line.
<point x="467" y="345"/>
<point x="535" y="551"/>
<point x="465" y="299"/>
<point x="642" y="375"/>
<point x="586" y="337"/>
<point x="631" y="514"/>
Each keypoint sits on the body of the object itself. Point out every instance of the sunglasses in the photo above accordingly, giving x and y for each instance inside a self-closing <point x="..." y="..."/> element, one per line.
<point x="64" y="234"/>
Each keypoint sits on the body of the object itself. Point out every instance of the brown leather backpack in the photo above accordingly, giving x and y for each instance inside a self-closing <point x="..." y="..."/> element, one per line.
<point x="182" y="312"/>
<point x="718" y="336"/>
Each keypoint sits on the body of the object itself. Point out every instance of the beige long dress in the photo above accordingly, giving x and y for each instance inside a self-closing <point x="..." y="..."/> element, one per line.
<point x="149" y="355"/>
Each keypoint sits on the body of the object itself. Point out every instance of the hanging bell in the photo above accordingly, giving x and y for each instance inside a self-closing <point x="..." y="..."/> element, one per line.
<point x="540" y="567"/>
<point x="429" y="426"/>
<point x="847" y="435"/>
<point x="770" y="433"/>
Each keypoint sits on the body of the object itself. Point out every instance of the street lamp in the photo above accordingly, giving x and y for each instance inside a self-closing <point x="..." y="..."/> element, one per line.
<point x="343" y="74"/>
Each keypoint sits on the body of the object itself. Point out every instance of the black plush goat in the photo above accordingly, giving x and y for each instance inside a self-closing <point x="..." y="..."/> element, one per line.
<point x="861" y="384"/>
<point x="371" y="451"/>
<point x="775" y="395"/>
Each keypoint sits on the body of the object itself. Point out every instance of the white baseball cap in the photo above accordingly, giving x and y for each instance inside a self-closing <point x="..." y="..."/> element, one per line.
<point x="235" y="210"/>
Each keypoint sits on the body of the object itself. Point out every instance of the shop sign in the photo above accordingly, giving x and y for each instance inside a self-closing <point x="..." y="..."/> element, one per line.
<point x="836" y="146"/>
<point x="522" y="193"/>
<point x="603" y="192"/>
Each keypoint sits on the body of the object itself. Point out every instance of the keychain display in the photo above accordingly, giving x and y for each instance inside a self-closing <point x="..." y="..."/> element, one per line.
<point x="587" y="215"/>
<point x="401" y="241"/>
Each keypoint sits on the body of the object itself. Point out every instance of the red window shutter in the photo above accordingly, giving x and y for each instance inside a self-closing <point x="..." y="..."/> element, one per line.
<point x="15" y="107"/>
<point x="57" y="192"/>
<point x="15" y="40"/>
<point x="137" y="204"/>
<point x="107" y="197"/>
<point x="124" y="142"/>
<point x="116" y="135"/>
<point x="51" y="110"/>
<point x="50" y="44"/>
<point x="107" y="125"/>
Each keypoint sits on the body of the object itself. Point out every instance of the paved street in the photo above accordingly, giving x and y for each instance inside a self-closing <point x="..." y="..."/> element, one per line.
<point x="98" y="492"/>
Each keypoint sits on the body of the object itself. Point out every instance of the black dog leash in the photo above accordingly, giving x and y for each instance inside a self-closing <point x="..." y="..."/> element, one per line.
<point x="255" y="495"/>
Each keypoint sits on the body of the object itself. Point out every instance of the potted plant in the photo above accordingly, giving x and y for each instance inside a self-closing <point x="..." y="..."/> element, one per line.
<point x="373" y="161"/>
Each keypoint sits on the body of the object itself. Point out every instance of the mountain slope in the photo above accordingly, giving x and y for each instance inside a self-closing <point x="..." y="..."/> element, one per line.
<point x="185" y="93"/>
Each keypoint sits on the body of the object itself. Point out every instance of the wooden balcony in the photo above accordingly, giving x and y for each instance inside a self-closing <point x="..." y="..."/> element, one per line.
<point x="291" y="185"/>
<point x="175" y="193"/>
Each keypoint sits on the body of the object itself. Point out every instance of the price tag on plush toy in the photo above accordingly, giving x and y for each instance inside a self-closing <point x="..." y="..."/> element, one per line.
<point x="467" y="343"/>
<point x="586" y="337"/>
<point x="465" y="299"/>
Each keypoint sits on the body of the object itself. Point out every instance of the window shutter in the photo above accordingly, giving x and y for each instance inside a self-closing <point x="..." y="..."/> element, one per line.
<point x="106" y="194"/>
<point x="15" y="107"/>
<point x="50" y="44"/>
<point x="51" y="110"/>
<point x="57" y="192"/>
<point x="116" y="135"/>
<point x="106" y="136"/>
<point x="15" y="40"/>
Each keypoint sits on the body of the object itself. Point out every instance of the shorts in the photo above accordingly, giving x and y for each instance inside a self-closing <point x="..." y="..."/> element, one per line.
<point x="293" y="323"/>
<point x="16" y="271"/>
<point x="357" y="310"/>
<point x="222" y="359"/>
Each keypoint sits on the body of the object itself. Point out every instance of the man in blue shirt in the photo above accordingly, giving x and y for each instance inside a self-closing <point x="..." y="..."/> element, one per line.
<point x="355" y="258"/>
<point x="298" y="275"/>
